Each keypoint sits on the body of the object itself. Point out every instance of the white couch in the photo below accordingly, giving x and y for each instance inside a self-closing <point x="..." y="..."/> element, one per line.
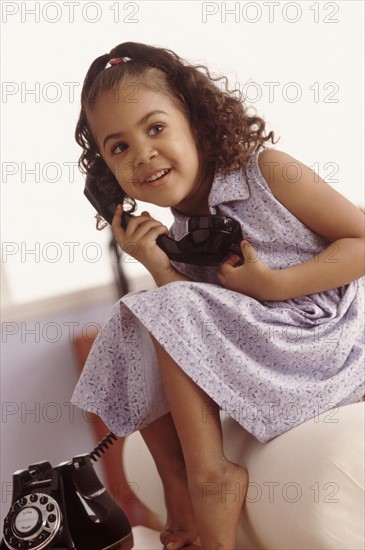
<point x="306" y="486"/>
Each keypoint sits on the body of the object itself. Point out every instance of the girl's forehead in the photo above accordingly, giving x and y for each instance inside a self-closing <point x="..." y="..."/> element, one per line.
<point x="131" y="94"/>
<point x="122" y="108"/>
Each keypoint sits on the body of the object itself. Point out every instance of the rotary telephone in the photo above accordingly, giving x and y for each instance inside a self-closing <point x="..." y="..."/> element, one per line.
<point x="65" y="508"/>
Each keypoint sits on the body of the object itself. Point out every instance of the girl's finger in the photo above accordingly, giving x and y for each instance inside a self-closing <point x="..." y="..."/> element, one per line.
<point x="248" y="252"/>
<point x="230" y="263"/>
<point x="160" y="230"/>
<point x="233" y="260"/>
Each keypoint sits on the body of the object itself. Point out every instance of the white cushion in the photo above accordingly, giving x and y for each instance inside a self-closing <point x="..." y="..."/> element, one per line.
<point x="306" y="486"/>
<point x="146" y="539"/>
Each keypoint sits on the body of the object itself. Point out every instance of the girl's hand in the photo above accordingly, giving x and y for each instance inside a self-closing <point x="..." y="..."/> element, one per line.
<point x="139" y="240"/>
<point x="253" y="278"/>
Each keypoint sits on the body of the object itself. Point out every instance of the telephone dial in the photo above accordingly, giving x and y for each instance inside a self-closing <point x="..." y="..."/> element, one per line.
<point x="65" y="508"/>
<point x="208" y="241"/>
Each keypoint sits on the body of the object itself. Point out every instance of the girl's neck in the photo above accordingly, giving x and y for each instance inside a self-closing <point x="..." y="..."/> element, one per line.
<point x="197" y="205"/>
<point x="191" y="213"/>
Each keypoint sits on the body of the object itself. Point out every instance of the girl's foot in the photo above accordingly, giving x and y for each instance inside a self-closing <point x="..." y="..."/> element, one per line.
<point x="218" y="498"/>
<point x="180" y="528"/>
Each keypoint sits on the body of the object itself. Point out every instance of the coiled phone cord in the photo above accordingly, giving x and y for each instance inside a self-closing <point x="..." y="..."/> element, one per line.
<point x="103" y="446"/>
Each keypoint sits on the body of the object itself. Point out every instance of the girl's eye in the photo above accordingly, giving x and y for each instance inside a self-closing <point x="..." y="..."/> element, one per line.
<point x="118" y="148"/>
<point x="156" y="129"/>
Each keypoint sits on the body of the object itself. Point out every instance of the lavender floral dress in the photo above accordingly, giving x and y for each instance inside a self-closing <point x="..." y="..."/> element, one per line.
<point x="270" y="365"/>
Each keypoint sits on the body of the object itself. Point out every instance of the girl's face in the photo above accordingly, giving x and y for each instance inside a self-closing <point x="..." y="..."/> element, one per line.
<point x="148" y="144"/>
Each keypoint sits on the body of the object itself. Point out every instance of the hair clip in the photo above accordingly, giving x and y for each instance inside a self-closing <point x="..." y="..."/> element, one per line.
<point x="116" y="61"/>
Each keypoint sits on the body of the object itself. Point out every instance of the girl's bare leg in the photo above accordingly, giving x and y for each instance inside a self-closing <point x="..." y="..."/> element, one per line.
<point x="163" y="442"/>
<point x="217" y="486"/>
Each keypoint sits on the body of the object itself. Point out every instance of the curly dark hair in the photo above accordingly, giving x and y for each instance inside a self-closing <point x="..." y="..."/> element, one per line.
<point x="226" y="134"/>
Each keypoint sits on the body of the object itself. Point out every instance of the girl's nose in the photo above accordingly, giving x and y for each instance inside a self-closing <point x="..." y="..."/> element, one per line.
<point x="144" y="153"/>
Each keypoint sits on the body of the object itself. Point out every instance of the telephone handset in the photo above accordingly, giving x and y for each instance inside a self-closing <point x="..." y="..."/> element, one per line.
<point x="208" y="241"/>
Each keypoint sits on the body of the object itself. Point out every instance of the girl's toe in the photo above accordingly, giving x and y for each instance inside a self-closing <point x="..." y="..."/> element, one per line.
<point x="165" y="537"/>
<point x="180" y="538"/>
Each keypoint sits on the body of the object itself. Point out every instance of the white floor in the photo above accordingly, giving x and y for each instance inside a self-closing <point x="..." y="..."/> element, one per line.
<point x="146" y="539"/>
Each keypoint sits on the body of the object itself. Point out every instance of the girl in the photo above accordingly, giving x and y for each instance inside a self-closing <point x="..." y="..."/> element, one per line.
<point x="278" y="332"/>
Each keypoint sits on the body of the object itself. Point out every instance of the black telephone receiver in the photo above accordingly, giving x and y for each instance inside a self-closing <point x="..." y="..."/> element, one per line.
<point x="208" y="241"/>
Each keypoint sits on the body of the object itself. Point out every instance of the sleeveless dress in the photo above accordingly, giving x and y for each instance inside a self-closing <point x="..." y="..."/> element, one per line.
<point x="269" y="365"/>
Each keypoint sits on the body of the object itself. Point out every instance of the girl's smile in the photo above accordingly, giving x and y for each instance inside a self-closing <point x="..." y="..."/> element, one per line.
<point x="148" y="144"/>
<point x="157" y="178"/>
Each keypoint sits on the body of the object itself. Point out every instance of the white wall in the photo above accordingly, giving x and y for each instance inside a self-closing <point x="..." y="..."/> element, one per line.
<point x="300" y="63"/>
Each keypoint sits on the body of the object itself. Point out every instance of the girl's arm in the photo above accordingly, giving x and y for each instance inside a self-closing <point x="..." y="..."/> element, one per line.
<point x="326" y="213"/>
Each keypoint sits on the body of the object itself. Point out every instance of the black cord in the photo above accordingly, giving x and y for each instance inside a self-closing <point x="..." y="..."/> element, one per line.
<point x="123" y="288"/>
<point x="103" y="446"/>
<point x="119" y="276"/>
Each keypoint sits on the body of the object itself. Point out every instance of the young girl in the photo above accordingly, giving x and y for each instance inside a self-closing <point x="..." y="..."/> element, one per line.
<point x="272" y="340"/>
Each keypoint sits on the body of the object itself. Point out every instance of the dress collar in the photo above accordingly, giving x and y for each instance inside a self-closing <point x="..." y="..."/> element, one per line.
<point x="228" y="188"/>
<point x="232" y="187"/>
